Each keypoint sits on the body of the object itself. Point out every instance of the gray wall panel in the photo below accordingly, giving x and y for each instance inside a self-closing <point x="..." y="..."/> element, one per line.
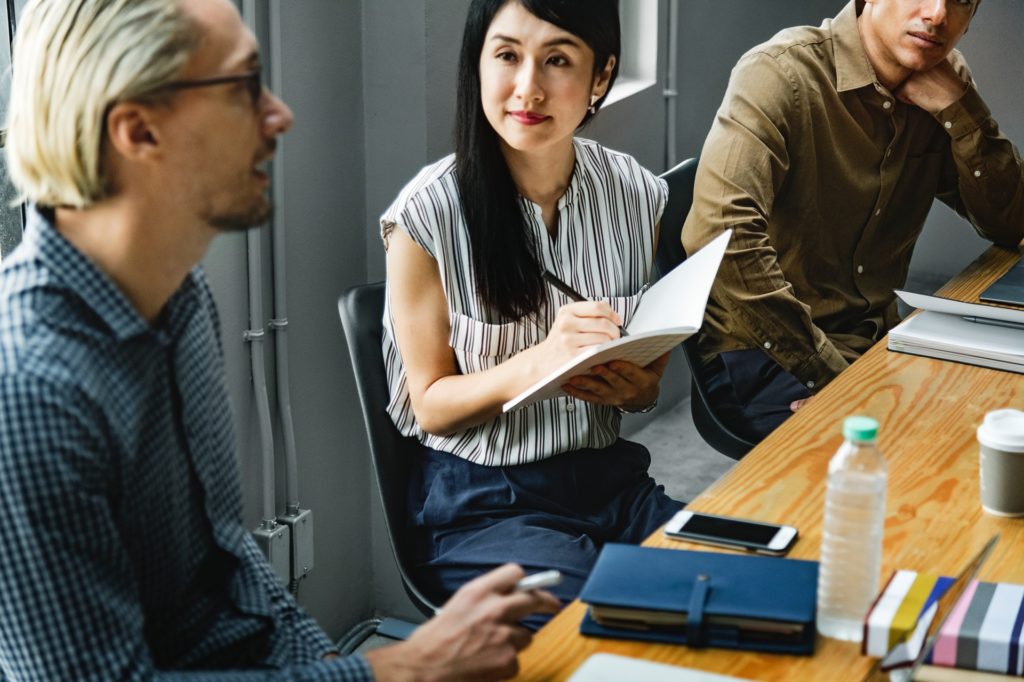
<point x="324" y="208"/>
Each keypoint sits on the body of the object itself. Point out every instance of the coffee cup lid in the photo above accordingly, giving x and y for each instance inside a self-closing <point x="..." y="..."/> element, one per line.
<point x="1003" y="430"/>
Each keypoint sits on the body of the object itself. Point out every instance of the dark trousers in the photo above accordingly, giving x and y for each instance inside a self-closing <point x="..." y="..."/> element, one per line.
<point x="750" y="392"/>
<point x="556" y="513"/>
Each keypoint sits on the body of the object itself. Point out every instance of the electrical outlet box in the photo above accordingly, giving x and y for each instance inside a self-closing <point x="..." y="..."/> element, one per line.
<point x="301" y="524"/>
<point x="276" y="545"/>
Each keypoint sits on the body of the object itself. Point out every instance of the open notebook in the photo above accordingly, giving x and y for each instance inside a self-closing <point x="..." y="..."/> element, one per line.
<point x="668" y="313"/>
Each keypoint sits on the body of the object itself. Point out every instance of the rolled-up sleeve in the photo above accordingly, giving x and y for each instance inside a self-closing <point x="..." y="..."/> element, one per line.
<point x="986" y="181"/>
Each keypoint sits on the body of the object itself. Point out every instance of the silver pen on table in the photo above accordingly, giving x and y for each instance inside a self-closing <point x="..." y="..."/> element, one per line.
<point x="551" y="279"/>
<point x="995" y="323"/>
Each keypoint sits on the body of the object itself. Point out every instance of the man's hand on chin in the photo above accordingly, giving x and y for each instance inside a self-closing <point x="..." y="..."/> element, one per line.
<point x="932" y="90"/>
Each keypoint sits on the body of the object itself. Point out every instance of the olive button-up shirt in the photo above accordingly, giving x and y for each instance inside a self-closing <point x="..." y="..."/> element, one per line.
<point x="826" y="180"/>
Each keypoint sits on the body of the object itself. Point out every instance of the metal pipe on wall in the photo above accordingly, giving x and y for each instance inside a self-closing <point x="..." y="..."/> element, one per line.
<point x="671" y="91"/>
<point x="280" y="322"/>
<point x="256" y="336"/>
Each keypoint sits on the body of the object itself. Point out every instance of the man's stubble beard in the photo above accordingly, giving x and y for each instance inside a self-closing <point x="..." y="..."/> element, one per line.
<point x="241" y="221"/>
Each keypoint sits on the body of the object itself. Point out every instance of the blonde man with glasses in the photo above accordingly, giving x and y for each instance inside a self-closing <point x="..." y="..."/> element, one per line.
<point x="825" y="157"/>
<point x="139" y="130"/>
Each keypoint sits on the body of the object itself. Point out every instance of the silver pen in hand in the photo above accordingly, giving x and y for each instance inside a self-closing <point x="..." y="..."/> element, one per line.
<point x="539" y="581"/>
<point x="551" y="279"/>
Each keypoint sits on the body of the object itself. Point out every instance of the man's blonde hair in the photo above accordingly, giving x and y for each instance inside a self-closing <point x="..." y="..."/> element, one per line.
<point x="73" y="60"/>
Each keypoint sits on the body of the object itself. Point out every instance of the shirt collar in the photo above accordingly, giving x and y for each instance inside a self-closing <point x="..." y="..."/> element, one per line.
<point x="574" y="180"/>
<point x="853" y="70"/>
<point x="74" y="271"/>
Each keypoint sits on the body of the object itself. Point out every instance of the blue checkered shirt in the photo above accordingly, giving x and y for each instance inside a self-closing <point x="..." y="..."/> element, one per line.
<point x="122" y="550"/>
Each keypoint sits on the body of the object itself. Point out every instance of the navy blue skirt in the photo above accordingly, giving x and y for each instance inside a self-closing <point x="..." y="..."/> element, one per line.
<point x="556" y="513"/>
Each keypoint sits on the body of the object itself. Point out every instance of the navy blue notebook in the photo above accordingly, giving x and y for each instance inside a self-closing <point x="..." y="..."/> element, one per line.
<point x="736" y="601"/>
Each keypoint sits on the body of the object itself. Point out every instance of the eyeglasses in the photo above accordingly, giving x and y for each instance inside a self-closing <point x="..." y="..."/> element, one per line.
<point x="253" y="81"/>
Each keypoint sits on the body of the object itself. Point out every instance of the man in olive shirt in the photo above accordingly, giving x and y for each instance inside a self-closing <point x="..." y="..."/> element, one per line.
<point x="825" y="158"/>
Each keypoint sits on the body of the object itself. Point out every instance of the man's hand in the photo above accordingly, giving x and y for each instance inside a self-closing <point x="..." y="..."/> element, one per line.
<point x="798" y="404"/>
<point x="932" y="90"/>
<point x="474" y="637"/>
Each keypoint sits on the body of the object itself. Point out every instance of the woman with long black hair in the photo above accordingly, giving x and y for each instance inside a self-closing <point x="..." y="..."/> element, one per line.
<point x="470" y="323"/>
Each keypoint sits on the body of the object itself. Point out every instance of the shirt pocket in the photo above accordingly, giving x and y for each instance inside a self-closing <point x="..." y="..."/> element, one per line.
<point x="626" y="305"/>
<point x="481" y="345"/>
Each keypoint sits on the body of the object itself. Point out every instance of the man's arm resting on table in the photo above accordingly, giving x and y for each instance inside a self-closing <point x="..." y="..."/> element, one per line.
<point x="742" y="167"/>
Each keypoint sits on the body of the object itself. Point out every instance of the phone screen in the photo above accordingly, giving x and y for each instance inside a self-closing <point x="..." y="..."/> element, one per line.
<point x="732" y="529"/>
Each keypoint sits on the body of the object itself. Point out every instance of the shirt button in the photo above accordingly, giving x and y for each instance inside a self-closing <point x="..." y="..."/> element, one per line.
<point x="810" y="384"/>
<point x="887" y="104"/>
<point x="768" y="345"/>
<point x="977" y="174"/>
<point x="860" y="269"/>
<point x="878" y="212"/>
<point x="948" y="124"/>
<point x="570" y="408"/>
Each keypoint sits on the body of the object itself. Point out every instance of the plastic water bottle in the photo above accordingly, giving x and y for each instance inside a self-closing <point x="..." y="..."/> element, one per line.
<point x="851" y="544"/>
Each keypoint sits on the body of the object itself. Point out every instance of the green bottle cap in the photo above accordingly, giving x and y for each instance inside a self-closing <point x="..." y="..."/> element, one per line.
<point x="860" y="429"/>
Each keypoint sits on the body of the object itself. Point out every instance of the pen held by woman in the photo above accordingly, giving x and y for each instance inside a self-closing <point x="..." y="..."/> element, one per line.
<point x="557" y="283"/>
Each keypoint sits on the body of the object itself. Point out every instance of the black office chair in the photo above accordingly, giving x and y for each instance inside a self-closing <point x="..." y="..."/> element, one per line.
<point x="670" y="254"/>
<point x="362" y="309"/>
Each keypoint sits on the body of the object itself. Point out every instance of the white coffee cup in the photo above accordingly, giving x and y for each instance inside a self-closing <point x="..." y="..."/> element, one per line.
<point x="1001" y="436"/>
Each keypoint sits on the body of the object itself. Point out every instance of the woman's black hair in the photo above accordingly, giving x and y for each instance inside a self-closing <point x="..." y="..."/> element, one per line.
<point x="504" y="252"/>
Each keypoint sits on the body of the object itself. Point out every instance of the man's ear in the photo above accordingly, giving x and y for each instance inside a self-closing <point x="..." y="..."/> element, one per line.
<point x="133" y="131"/>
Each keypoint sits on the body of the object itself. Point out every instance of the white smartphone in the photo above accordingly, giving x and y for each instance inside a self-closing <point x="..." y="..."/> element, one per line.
<point x="723" y="531"/>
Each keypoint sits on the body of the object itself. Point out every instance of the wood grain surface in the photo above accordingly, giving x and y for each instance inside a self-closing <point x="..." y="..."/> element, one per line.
<point x="929" y="411"/>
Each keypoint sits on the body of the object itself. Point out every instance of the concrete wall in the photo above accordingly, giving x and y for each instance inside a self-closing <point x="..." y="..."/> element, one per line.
<point x="320" y="167"/>
<point x="706" y="57"/>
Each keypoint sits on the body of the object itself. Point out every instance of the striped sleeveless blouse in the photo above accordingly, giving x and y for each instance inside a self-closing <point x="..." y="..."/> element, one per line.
<point x="604" y="249"/>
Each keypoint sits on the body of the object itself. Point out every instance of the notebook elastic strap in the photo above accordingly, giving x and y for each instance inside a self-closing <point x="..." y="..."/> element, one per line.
<point x="695" y="631"/>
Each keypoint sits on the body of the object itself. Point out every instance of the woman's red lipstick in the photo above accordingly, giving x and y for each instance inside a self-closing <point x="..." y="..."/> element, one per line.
<point x="528" y="118"/>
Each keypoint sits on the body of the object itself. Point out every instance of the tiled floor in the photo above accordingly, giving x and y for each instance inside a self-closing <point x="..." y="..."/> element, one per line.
<point x="680" y="459"/>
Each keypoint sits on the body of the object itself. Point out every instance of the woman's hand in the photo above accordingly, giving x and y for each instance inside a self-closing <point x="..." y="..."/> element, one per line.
<point x="578" y="326"/>
<point x="620" y="384"/>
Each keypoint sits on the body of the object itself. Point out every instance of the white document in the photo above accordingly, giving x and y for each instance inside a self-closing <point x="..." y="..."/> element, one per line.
<point x="940" y="331"/>
<point x="949" y="306"/>
<point x="668" y="313"/>
<point x="613" y="668"/>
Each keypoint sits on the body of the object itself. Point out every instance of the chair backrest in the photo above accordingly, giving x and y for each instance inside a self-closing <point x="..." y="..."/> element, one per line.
<point x="670" y="254"/>
<point x="362" y="310"/>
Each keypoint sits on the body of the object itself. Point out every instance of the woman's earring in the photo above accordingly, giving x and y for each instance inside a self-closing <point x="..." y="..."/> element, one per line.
<point x="592" y="108"/>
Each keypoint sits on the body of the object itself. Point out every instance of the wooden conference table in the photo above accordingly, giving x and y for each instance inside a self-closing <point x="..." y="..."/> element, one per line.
<point x="928" y="411"/>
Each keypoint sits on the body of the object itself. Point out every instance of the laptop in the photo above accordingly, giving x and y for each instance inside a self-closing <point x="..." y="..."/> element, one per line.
<point x="1008" y="289"/>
